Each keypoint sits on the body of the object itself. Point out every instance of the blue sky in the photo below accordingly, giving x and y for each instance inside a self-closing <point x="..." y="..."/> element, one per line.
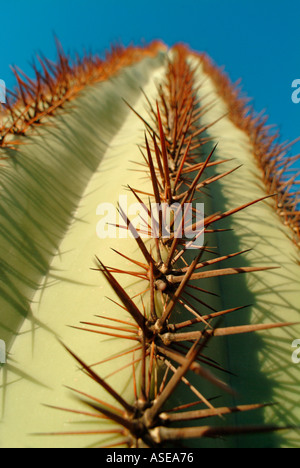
<point x="256" y="40"/>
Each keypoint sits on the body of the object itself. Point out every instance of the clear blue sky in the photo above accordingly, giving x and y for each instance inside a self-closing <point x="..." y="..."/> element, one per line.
<point x="256" y="40"/>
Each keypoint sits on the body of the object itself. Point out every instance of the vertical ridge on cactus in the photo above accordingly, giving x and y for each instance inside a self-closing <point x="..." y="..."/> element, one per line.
<point x="174" y="119"/>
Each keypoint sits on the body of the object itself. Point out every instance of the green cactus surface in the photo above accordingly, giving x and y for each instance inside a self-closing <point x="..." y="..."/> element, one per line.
<point x="124" y="340"/>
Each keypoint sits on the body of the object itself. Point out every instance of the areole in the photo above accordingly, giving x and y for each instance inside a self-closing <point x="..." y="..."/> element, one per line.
<point x="172" y="335"/>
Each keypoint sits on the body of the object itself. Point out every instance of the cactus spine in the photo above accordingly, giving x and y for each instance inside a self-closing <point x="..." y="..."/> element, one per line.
<point x="171" y="351"/>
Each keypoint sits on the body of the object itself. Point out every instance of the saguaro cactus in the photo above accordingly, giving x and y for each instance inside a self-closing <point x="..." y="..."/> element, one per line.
<point x="145" y="341"/>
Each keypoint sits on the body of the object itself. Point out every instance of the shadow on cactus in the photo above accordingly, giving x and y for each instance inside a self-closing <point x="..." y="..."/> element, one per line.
<point x="158" y="124"/>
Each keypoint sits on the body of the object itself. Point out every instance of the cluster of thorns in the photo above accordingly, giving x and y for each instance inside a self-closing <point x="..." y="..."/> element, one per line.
<point x="34" y="100"/>
<point x="272" y="156"/>
<point x="169" y="348"/>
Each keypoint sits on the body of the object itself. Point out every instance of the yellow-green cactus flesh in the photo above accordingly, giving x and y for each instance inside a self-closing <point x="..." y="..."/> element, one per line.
<point x="51" y="189"/>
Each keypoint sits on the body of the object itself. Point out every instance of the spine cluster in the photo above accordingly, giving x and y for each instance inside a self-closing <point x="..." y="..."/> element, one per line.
<point x="272" y="157"/>
<point x="54" y="84"/>
<point x="171" y="345"/>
